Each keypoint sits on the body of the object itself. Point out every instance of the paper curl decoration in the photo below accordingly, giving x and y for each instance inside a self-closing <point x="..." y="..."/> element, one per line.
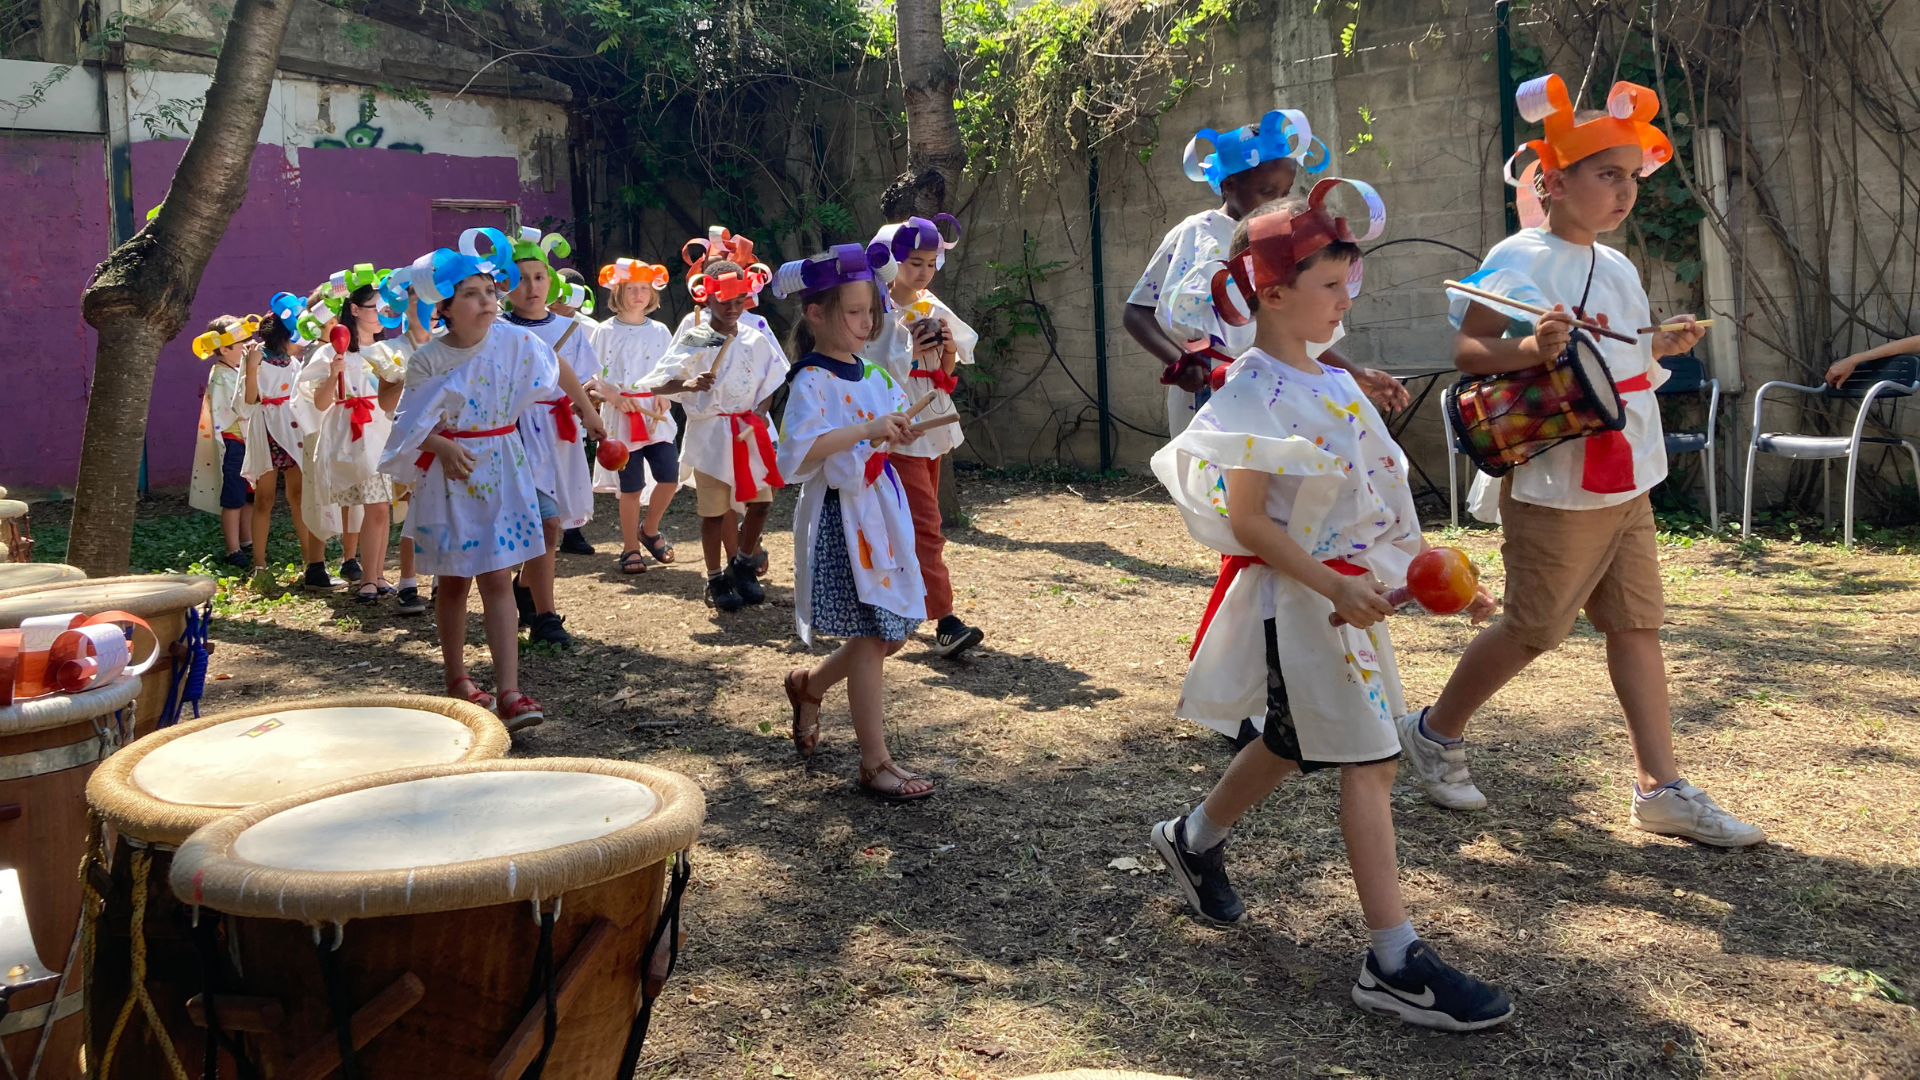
<point x="1282" y="133"/>
<point x="1278" y="243"/>
<point x="436" y="275"/>
<point x="531" y="245"/>
<point x="396" y="307"/>
<point x="577" y="297"/>
<point x="620" y="271"/>
<point x="832" y="268"/>
<point x="720" y="244"/>
<point x="1629" y="122"/>
<point x="214" y="340"/>
<point x="291" y="310"/>
<point x="917" y="234"/>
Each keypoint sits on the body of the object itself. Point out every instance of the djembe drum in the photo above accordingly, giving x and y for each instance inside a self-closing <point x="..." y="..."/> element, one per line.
<point x="27" y="575"/>
<point x="148" y="961"/>
<point x="165" y="601"/>
<point x="49" y="746"/>
<point x="460" y="921"/>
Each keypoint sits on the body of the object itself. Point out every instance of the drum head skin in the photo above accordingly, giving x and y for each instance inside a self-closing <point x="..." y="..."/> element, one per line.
<point x="145" y="595"/>
<point x="30" y="575"/>
<point x="1602" y="394"/>
<point x="202" y="770"/>
<point x="442" y="838"/>
<point x="258" y="758"/>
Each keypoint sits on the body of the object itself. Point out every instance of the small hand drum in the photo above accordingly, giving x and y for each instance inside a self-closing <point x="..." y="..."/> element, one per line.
<point x="1504" y="421"/>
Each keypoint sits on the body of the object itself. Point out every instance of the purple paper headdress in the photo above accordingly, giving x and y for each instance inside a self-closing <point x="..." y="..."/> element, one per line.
<point x="832" y="268"/>
<point x="918" y="234"/>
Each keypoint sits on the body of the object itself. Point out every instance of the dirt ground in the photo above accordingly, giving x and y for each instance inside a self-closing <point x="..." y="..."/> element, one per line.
<point x="1018" y="922"/>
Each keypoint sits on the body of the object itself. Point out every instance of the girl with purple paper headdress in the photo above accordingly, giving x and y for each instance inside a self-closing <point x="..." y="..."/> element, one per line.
<point x="921" y="344"/>
<point x="855" y="573"/>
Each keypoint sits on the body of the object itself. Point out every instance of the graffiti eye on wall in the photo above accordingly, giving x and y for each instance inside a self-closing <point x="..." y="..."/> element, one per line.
<point x="363" y="136"/>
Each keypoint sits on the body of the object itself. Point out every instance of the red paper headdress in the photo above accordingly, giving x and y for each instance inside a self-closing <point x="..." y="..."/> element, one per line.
<point x="1278" y="243"/>
<point x="721" y="245"/>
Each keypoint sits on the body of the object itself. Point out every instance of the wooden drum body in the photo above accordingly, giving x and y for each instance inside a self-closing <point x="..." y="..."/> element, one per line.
<point x="49" y="747"/>
<point x="158" y="790"/>
<point x="161" y="599"/>
<point x="418" y="902"/>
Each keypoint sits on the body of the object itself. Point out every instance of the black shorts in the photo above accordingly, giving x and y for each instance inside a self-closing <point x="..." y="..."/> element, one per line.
<point x="662" y="457"/>
<point x="1280" y="737"/>
<point x="235" y="492"/>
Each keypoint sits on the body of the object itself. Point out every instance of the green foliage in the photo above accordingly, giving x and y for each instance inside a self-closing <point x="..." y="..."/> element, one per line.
<point x="1006" y="314"/>
<point x="359" y="34"/>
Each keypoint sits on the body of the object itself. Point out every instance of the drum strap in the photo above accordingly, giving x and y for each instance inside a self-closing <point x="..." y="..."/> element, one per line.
<point x="544" y="985"/>
<point x="340" y="1003"/>
<point x="206" y="937"/>
<point x="668" y="928"/>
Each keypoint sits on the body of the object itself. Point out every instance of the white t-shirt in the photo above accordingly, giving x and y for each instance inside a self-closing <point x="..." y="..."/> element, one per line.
<point x="1538" y="267"/>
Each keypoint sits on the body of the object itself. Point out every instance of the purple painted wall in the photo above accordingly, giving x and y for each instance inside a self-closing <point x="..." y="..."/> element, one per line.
<point x="54" y="189"/>
<point x="298" y="225"/>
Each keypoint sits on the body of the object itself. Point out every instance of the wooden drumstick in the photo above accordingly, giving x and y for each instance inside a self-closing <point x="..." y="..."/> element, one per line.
<point x="722" y="354"/>
<point x="921" y="404"/>
<point x="1535" y="309"/>
<point x="1669" y="327"/>
<point x="924" y="426"/>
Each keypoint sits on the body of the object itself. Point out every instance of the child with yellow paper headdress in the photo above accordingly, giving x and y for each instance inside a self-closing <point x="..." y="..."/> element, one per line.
<point x="217" y="485"/>
<point x="1579" y="529"/>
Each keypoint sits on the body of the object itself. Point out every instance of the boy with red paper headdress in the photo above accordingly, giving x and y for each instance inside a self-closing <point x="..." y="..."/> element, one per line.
<point x="1292" y="475"/>
<point x="723" y="369"/>
<point x="1579" y="529"/>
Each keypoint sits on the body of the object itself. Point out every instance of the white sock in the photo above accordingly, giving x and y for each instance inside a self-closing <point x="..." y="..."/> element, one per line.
<point x="1202" y="833"/>
<point x="409" y="583"/>
<point x="1390" y="946"/>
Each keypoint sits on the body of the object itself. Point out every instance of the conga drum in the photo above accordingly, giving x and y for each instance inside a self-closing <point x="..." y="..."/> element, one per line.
<point x="147" y="958"/>
<point x="163" y="600"/>
<point x="49" y="746"/>
<point x="460" y="921"/>
<point x="31" y="574"/>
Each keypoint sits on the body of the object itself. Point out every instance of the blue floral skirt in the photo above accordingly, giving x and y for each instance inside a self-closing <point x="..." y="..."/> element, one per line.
<point x="837" y="609"/>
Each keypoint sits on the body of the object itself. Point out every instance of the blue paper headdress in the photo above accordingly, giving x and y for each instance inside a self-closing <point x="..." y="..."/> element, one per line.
<point x="1282" y="133"/>
<point x="917" y="234"/>
<point x="438" y="274"/>
<point x="832" y="268"/>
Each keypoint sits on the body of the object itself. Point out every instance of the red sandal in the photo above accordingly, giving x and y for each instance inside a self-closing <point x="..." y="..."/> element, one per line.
<point x="474" y="695"/>
<point x="519" y="711"/>
<point x="806" y="736"/>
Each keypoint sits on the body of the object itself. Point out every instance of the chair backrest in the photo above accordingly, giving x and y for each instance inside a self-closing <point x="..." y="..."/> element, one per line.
<point x="1687" y="375"/>
<point x="1904" y="370"/>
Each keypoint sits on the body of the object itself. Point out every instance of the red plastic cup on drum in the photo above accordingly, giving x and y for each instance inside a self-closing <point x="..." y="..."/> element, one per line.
<point x="612" y="455"/>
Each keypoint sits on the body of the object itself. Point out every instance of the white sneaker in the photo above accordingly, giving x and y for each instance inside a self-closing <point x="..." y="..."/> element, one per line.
<point x="1687" y="811"/>
<point x="1442" y="769"/>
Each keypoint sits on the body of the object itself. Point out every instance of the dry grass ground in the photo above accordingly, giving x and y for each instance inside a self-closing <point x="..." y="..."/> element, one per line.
<point x="986" y="932"/>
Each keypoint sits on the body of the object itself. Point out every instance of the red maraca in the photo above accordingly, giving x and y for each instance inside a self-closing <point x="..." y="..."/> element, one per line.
<point x="1442" y="580"/>
<point x="612" y="455"/>
<point x="341" y="339"/>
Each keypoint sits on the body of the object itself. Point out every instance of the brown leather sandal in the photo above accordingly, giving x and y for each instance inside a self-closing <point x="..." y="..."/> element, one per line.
<point x="898" y="792"/>
<point x="806" y="730"/>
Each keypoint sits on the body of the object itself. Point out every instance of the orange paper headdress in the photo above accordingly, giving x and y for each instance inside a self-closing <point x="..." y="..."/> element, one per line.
<point x="1630" y="112"/>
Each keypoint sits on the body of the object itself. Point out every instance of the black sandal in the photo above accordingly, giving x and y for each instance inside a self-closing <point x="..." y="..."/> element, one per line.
<point x="632" y="562"/>
<point x="657" y="546"/>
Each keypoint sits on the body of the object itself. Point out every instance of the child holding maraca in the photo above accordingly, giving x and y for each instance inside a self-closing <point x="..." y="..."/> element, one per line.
<point x="630" y="346"/>
<point x="222" y="445"/>
<point x="1291" y="474"/>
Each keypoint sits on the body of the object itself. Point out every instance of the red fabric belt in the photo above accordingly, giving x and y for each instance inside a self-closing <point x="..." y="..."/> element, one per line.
<point x="876" y="464"/>
<point x="638" y="433"/>
<point x="941" y="380"/>
<point x="564" y="428"/>
<point x="359" y="413"/>
<point x="1230" y="567"/>
<point x="1609" y="466"/>
<point x="743" y="486"/>
<point x="425" y="460"/>
<point x="281" y="400"/>
<point x="232" y="437"/>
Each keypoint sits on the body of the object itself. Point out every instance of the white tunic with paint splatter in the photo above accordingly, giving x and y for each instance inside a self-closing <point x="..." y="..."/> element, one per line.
<point x="625" y="354"/>
<point x="893" y="350"/>
<point x="1340" y="488"/>
<point x="879" y="527"/>
<point x="490" y="520"/>
<point x="560" y="464"/>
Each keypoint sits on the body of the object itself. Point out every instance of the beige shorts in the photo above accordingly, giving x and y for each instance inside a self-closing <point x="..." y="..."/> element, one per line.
<point x="1561" y="562"/>
<point x="714" y="496"/>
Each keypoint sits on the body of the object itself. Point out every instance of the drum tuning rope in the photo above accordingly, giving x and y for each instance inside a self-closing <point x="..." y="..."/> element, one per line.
<point x="337" y="999"/>
<point x="189" y="680"/>
<point x="142" y="867"/>
<point x="544" y="985"/>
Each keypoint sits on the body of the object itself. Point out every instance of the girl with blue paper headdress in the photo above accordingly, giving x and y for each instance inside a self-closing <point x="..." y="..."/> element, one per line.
<point x="456" y="439"/>
<point x="855" y="574"/>
<point x="1249" y="167"/>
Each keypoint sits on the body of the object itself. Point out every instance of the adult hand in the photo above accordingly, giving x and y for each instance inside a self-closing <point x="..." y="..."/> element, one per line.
<point x="1550" y="334"/>
<point x="1387" y="392"/>
<point x="1359" y="601"/>
<point x="1675" y="342"/>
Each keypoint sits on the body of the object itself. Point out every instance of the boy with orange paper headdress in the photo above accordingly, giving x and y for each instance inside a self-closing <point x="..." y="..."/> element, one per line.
<point x="629" y="347"/>
<point x="1579" y="529"/>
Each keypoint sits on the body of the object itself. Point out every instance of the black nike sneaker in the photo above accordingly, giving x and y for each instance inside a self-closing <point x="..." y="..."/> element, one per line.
<point x="1202" y="876"/>
<point x="1429" y="992"/>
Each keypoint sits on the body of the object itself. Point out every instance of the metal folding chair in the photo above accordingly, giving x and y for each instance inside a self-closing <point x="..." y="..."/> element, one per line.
<point x="1687" y="375"/>
<point x="1882" y="381"/>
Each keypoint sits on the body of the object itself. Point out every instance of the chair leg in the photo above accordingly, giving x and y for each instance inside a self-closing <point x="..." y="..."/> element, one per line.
<point x="1853" y="471"/>
<point x="1713" y="495"/>
<point x="1453" y="466"/>
<point x="1826" y="493"/>
<point x="1914" y="453"/>
<point x="1746" y="502"/>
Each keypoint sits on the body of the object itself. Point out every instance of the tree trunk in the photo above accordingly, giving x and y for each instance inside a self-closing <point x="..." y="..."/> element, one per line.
<point x="936" y="154"/>
<point x="141" y="295"/>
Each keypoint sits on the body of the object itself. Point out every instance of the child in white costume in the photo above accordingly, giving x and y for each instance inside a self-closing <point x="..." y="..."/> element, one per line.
<point x="921" y="344"/>
<point x="283" y="421"/>
<point x="1290" y="473"/>
<point x="475" y="510"/>
<point x="353" y="428"/>
<point x="219" y="478"/>
<point x="727" y="454"/>
<point x="629" y="347"/>
<point x="855" y="574"/>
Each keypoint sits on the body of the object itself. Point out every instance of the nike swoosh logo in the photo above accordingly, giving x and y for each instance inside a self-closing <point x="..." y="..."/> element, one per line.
<point x="1424" y="998"/>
